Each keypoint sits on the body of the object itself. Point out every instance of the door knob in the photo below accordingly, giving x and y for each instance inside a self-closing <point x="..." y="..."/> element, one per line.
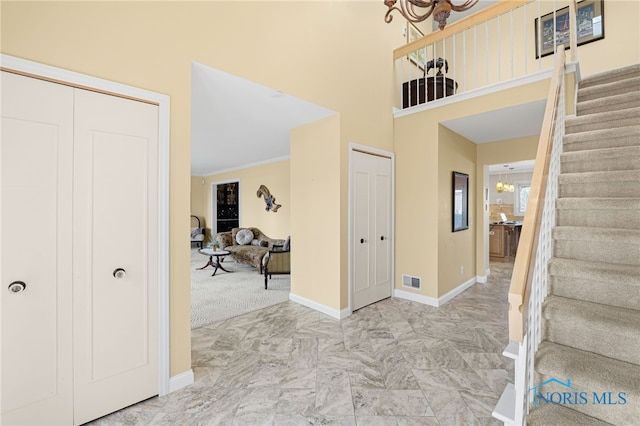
<point x="362" y="241"/>
<point x="119" y="273"/>
<point x="382" y="238"/>
<point x="17" y="286"/>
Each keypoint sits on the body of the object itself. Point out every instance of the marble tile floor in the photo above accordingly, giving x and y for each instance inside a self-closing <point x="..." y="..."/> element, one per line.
<point x="396" y="362"/>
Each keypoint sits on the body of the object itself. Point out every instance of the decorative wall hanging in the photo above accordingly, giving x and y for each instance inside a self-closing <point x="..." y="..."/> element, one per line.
<point x="269" y="199"/>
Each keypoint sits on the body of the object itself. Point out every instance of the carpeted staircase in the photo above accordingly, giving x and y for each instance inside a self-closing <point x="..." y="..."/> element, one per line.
<point x="591" y="318"/>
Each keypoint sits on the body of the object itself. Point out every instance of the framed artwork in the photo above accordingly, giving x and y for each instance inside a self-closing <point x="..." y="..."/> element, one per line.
<point x="589" y="22"/>
<point x="418" y="57"/>
<point x="460" y="218"/>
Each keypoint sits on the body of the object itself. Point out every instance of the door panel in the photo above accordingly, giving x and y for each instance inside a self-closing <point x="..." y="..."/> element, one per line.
<point x="371" y="221"/>
<point x="36" y="187"/>
<point x="381" y="234"/>
<point x="361" y="233"/>
<point x="115" y="318"/>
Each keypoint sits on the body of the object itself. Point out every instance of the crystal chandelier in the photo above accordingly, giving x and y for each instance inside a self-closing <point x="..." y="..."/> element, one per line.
<point x="413" y="11"/>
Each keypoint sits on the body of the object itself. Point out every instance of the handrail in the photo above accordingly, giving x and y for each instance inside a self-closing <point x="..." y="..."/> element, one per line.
<point x="523" y="267"/>
<point x="481" y="16"/>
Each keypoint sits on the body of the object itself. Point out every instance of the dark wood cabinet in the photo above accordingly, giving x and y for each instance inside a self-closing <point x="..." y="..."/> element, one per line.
<point x="227" y="216"/>
<point x="426" y="89"/>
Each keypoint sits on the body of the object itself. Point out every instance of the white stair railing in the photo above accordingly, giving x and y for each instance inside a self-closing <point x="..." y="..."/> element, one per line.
<point x="529" y="280"/>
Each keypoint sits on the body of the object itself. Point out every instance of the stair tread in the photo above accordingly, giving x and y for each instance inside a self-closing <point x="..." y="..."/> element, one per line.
<point x="607" y="76"/>
<point x="601" y="153"/>
<point x="628" y="274"/>
<point x="626" y="321"/>
<point x="603" y="203"/>
<point x="600" y="176"/>
<point x="584" y="233"/>
<point x="606" y="116"/>
<point x="590" y="372"/>
<point x="553" y="358"/>
<point x="632" y="82"/>
<point x="603" y="134"/>
<point x="559" y="415"/>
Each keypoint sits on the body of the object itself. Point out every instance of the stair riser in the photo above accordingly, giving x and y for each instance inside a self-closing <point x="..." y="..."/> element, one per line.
<point x="617" y="138"/>
<point x="606" y="293"/>
<point x="628" y="189"/>
<point x="601" y="165"/>
<point x="586" y="109"/>
<point x="599" y="251"/>
<point x="610" y="77"/>
<point x="599" y="218"/>
<point x="604" y="90"/>
<point x="573" y="127"/>
<point x="591" y="333"/>
<point x="614" y="414"/>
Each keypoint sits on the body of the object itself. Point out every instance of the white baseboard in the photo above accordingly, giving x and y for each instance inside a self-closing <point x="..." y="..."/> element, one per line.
<point x="482" y="278"/>
<point x="432" y="301"/>
<point x="332" y="312"/>
<point x="180" y="381"/>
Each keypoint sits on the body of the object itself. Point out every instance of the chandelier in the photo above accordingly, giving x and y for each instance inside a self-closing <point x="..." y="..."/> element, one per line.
<point x="440" y="9"/>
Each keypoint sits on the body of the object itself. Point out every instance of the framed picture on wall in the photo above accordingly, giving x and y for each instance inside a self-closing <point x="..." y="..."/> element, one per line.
<point x="460" y="206"/>
<point x="418" y="57"/>
<point x="589" y="23"/>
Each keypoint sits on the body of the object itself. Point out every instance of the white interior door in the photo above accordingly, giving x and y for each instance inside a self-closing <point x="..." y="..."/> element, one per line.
<point x="371" y="178"/>
<point x="36" y="153"/>
<point x="115" y="253"/>
<point x="78" y="202"/>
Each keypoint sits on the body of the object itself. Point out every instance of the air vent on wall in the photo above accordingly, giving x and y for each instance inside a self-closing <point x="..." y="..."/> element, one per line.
<point x="412" y="282"/>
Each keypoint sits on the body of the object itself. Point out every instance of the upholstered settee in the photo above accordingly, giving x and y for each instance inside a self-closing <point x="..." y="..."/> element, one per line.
<point x="249" y="247"/>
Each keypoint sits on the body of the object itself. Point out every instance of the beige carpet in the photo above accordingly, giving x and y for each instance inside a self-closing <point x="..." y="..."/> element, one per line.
<point x="227" y="295"/>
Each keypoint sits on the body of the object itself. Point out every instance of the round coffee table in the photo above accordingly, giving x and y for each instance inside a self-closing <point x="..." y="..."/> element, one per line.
<point x="218" y="254"/>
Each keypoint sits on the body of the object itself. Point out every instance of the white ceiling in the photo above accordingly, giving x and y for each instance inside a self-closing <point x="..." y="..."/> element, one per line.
<point x="501" y="124"/>
<point x="237" y="123"/>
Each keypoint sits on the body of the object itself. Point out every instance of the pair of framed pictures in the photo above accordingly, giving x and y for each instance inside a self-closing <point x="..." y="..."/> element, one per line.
<point x="589" y="22"/>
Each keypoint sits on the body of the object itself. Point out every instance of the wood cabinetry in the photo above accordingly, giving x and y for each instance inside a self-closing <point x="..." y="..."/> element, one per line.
<point x="503" y="240"/>
<point x="496" y="241"/>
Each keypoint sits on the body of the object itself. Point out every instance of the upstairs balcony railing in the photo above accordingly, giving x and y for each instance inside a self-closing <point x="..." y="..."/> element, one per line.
<point x="504" y="42"/>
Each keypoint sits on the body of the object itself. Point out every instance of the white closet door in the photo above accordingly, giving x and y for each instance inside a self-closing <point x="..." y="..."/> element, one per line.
<point x="371" y="226"/>
<point x="36" y="154"/>
<point x="115" y="228"/>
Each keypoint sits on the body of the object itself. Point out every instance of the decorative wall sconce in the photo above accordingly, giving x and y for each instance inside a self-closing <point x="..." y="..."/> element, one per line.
<point x="269" y="199"/>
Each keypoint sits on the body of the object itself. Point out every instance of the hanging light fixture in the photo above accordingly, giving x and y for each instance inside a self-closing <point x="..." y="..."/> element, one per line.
<point x="499" y="185"/>
<point x="440" y="9"/>
<point x="511" y="187"/>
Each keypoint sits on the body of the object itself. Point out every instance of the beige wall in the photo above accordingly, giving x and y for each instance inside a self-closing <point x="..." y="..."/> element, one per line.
<point x="285" y="45"/>
<point x="423" y="220"/>
<point x="456" y="250"/>
<point x="274" y="176"/>
<point x="316" y="214"/>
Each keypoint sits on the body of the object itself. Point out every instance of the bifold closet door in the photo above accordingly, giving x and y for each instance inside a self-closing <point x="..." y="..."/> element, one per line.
<point x="115" y="254"/>
<point x="371" y="229"/>
<point x="78" y="253"/>
<point x="36" y="154"/>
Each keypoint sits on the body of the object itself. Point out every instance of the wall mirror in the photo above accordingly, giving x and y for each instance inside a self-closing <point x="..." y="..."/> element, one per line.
<point x="460" y="201"/>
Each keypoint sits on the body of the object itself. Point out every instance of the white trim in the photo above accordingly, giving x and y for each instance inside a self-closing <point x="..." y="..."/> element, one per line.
<point x="244" y="166"/>
<point x="353" y="147"/>
<point x="482" y="279"/>
<point x="486" y="90"/>
<point x="181" y="380"/>
<point x="432" y="301"/>
<point x="415" y="297"/>
<point x="332" y="312"/>
<point x="163" y="101"/>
